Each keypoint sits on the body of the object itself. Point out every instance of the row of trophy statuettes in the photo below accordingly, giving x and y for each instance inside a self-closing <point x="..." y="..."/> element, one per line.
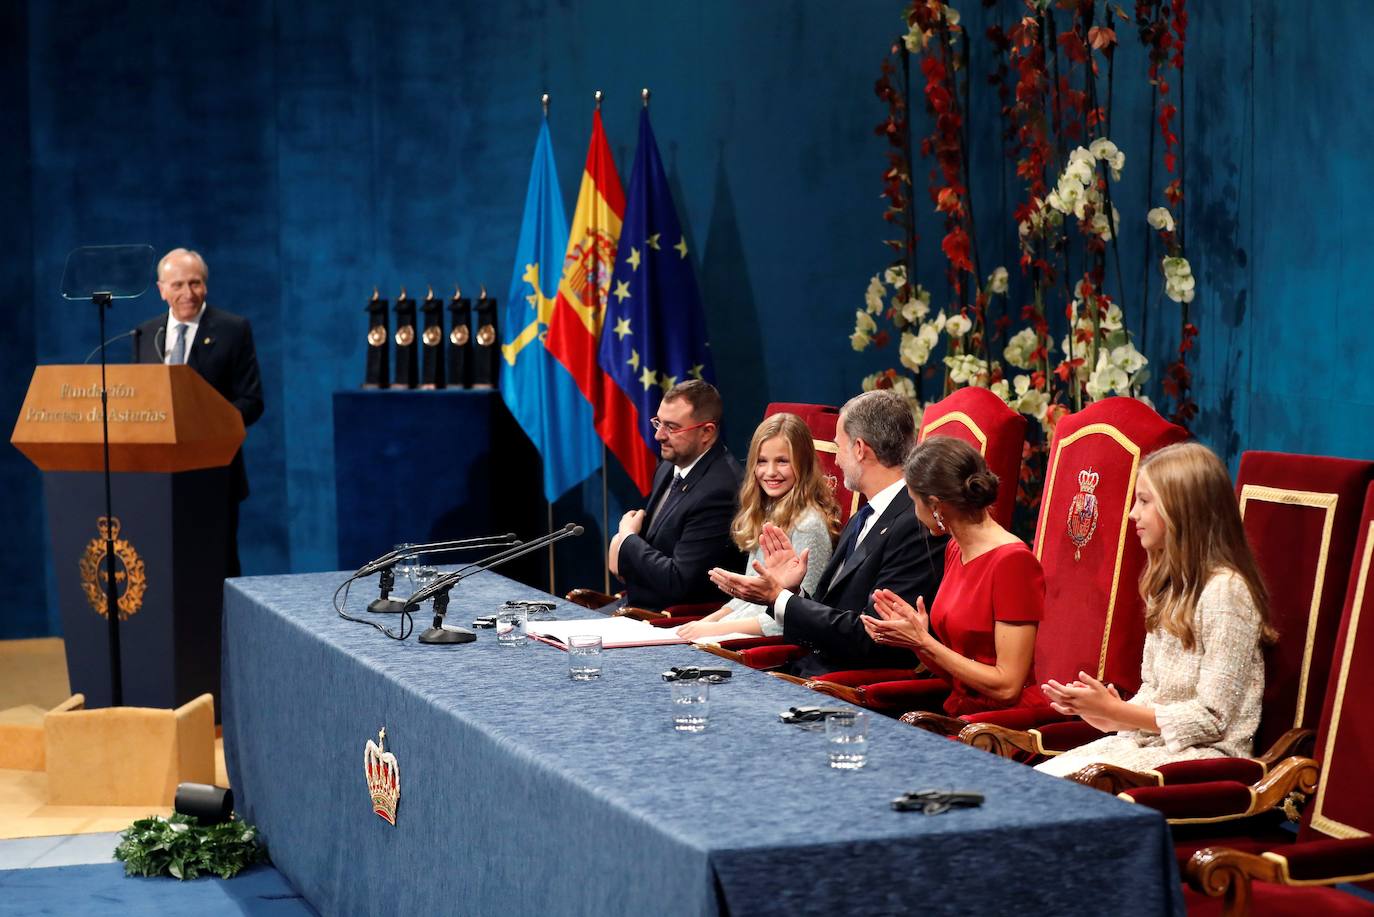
<point x="468" y="356"/>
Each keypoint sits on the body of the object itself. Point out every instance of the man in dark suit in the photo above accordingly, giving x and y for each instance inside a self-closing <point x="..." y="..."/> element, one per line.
<point x="663" y="553"/>
<point x="882" y="546"/>
<point x="216" y="344"/>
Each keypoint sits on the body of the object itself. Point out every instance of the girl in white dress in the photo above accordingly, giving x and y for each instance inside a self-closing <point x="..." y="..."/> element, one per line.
<point x="1206" y="609"/>
<point x="783" y="485"/>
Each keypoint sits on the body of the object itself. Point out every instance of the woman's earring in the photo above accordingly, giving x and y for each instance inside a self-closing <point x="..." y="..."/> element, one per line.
<point x="939" y="521"/>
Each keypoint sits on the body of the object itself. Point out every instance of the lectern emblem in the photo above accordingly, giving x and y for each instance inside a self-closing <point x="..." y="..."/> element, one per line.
<point x="1083" y="512"/>
<point x="459" y="335"/>
<point x="486" y="335"/>
<point x="376" y="337"/>
<point x="405" y="336"/>
<point x="432" y="336"/>
<point x="131" y="580"/>
<point x="383" y="778"/>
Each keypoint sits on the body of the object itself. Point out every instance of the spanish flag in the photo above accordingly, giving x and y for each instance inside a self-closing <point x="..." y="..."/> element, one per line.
<point x="574" y="335"/>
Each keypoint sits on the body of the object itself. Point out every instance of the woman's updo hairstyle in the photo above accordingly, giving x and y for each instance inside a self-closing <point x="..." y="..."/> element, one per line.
<point x="952" y="471"/>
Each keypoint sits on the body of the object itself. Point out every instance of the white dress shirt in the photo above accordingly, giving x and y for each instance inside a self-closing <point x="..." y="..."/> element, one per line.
<point x="880" y="502"/>
<point x="169" y="339"/>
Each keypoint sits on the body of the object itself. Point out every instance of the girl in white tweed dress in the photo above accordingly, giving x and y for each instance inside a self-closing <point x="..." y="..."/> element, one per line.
<point x="1202" y="674"/>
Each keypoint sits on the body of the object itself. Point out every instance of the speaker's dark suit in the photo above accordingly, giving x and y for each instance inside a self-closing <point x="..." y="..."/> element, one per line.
<point x="898" y="554"/>
<point x="223" y="355"/>
<point x="666" y="563"/>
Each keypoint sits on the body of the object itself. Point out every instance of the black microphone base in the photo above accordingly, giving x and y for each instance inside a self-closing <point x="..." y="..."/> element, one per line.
<point x="447" y="635"/>
<point x="386" y="607"/>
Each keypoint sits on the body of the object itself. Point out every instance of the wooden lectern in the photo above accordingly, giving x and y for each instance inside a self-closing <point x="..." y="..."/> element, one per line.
<point x="172" y="437"/>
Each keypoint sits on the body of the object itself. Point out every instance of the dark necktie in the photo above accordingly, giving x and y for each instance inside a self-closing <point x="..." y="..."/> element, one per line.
<point x="669" y="499"/>
<point x="851" y="536"/>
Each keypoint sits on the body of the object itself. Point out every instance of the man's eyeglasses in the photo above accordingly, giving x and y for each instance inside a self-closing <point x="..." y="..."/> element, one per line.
<point x="673" y="429"/>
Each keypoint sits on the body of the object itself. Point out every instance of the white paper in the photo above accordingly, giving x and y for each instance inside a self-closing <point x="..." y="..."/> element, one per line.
<point x="612" y="631"/>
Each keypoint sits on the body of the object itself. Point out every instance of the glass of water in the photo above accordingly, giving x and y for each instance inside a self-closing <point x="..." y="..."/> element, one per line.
<point x="510" y="626"/>
<point x="405" y="564"/>
<point x="846" y="736"/>
<point x="584" y="657"/>
<point x="691" y="704"/>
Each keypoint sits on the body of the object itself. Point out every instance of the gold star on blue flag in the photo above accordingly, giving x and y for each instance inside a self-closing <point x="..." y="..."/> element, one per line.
<point x="661" y="300"/>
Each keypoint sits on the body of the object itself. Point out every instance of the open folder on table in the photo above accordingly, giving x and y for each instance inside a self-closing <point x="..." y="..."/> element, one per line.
<point x="614" y="632"/>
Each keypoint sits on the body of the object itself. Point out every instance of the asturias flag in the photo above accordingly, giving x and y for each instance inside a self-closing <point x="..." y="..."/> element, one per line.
<point x="655" y="328"/>
<point x="537" y="389"/>
<point x="578" y="311"/>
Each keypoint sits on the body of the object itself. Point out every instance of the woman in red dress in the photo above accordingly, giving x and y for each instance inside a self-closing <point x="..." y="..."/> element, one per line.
<point x="980" y="632"/>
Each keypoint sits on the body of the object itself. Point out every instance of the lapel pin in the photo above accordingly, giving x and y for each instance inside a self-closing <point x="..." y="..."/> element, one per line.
<point x="207" y="341"/>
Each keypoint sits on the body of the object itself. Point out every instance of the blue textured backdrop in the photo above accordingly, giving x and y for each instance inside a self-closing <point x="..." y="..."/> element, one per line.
<point x="314" y="150"/>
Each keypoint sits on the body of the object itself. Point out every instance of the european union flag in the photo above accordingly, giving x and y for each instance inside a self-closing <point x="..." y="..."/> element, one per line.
<point x="654" y="333"/>
<point x="536" y="387"/>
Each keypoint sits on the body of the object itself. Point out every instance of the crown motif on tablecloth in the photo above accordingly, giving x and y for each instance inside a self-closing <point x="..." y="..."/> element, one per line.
<point x="383" y="778"/>
<point x="1087" y="481"/>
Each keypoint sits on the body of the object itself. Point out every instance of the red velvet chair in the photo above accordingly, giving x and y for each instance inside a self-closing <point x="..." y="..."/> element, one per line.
<point x="1092" y="560"/>
<point x="983" y="420"/>
<point x="1301" y="515"/>
<point x="774" y="652"/>
<point x="1334" y="844"/>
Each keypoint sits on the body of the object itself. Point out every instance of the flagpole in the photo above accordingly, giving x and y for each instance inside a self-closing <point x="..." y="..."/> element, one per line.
<point x="605" y="520"/>
<point x="550" y="529"/>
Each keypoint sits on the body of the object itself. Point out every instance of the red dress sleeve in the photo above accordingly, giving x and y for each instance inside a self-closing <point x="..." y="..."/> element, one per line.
<point x="1018" y="588"/>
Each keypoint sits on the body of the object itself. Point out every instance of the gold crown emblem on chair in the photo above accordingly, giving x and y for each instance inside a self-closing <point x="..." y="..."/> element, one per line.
<point x="1083" y="512"/>
<point x="383" y="778"/>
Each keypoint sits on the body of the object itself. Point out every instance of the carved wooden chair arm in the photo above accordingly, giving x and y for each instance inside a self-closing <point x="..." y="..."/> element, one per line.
<point x="639" y="614"/>
<point x="853" y="695"/>
<point x="1112" y="779"/>
<point x="1001" y="741"/>
<point x="722" y="652"/>
<point x="937" y="723"/>
<point x="1293" y="743"/>
<point x="590" y="598"/>
<point x="1220" y="872"/>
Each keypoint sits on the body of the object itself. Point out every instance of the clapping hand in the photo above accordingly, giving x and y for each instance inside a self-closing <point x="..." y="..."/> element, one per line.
<point x="898" y="624"/>
<point x="782" y="568"/>
<point x="1096" y="704"/>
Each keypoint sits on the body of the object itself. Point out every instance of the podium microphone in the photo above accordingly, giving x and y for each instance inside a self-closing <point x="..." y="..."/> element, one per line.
<point x="130" y="333"/>
<point x="439" y="589"/>
<point x="385" y="605"/>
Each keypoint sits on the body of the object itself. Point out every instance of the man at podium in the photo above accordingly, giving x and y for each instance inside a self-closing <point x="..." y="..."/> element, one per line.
<point x="216" y="344"/>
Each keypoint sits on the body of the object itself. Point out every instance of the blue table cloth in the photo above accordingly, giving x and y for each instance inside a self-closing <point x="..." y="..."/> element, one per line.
<point x="523" y="792"/>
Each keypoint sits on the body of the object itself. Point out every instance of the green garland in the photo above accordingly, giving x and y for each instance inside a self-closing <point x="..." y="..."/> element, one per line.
<point x="182" y="847"/>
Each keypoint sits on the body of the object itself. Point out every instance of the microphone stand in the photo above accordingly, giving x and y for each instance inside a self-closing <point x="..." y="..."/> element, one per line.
<point x="385" y="605"/>
<point x="438" y="634"/>
<point x="103" y="301"/>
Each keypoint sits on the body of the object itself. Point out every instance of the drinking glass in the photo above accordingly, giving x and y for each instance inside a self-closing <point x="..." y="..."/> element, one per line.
<point x="691" y="704"/>
<point x="584" y="657"/>
<point x="510" y="626"/>
<point x="405" y="563"/>
<point x="846" y="735"/>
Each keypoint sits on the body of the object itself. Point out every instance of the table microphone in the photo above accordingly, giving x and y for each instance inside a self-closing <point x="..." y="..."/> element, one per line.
<point x="385" y="563"/>
<point x="439" y="589"/>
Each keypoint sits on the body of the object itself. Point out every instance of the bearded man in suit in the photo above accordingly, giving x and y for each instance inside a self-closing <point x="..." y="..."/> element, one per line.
<point x="663" y="552"/>
<point x="882" y="546"/>
<point x="216" y="344"/>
